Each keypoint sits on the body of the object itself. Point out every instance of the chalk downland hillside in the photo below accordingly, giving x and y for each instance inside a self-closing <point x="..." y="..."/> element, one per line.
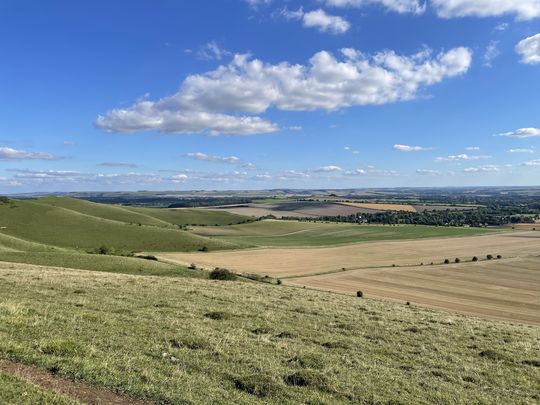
<point x="48" y="222"/>
<point x="199" y="341"/>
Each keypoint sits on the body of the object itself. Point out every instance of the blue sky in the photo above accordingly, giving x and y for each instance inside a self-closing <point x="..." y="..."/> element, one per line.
<point x="238" y="94"/>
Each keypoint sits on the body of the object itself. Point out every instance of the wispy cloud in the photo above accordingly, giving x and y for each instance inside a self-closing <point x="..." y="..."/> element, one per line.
<point x="210" y="158"/>
<point x="17" y="154"/>
<point x="329" y="169"/>
<point x="460" y="158"/>
<point x="118" y="164"/>
<point x="522" y="133"/>
<point x="521" y="150"/>
<point x="407" y="148"/>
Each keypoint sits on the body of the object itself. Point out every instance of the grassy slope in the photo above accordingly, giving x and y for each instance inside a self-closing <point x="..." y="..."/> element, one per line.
<point x="63" y="227"/>
<point x="146" y="216"/>
<point x="109" y="264"/>
<point x="18" y="392"/>
<point x="198" y="341"/>
<point x="288" y="233"/>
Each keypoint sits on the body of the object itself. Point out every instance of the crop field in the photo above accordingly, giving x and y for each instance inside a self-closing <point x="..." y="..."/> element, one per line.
<point x="171" y="340"/>
<point x="275" y="233"/>
<point x="300" y="261"/>
<point x="507" y="289"/>
<point x="382" y="207"/>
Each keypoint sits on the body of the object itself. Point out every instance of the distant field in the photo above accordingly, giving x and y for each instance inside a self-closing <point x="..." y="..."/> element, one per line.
<point x="507" y="289"/>
<point x="287" y="262"/>
<point x="291" y="233"/>
<point x="188" y="341"/>
<point x="382" y="206"/>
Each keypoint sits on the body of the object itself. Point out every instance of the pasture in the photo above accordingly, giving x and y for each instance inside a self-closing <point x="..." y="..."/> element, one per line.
<point x="274" y="233"/>
<point x="169" y="340"/>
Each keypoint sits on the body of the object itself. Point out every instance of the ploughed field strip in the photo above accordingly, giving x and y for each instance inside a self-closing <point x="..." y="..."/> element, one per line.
<point x="507" y="289"/>
<point x="171" y="340"/>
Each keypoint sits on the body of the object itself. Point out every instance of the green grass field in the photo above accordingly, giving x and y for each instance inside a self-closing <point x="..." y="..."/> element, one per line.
<point x="40" y="222"/>
<point x="291" y="233"/>
<point x="172" y="340"/>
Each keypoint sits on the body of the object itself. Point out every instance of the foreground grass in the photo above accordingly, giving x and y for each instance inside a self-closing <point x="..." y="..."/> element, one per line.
<point x="199" y="341"/>
<point x="292" y="233"/>
<point x="18" y="392"/>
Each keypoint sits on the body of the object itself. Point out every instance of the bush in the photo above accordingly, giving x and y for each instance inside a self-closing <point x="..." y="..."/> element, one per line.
<point x="103" y="250"/>
<point x="359" y="294"/>
<point x="192" y="266"/>
<point x="458" y="260"/>
<point x="446" y="261"/>
<point x="279" y="282"/>
<point x="499" y="257"/>
<point x="475" y="259"/>
<point x="489" y="257"/>
<point x="221" y="274"/>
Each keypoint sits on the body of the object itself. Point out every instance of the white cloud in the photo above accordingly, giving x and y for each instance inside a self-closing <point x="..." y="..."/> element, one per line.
<point x="472" y="148"/>
<point x="491" y="52"/>
<point x="117" y="164"/>
<point x="532" y="163"/>
<point x="256" y="3"/>
<point x="370" y="171"/>
<point x="522" y="133"/>
<point x="399" y="6"/>
<point x="179" y="178"/>
<point x="428" y="172"/>
<point x="482" y="169"/>
<point x="210" y="102"/>
<point x="407" y="148"/>
<point x="209" y="158"/>
<point x="324" y="22"/>
<point x="329" y="169"/>
<point x="521" y="150"/>
<point x="502" y="27"/>
<point x="212" y="51"/>
<point x="461" y="157"/>
<point x="318" y="19"/>
<point x="15" y="154"/>
<point x="529" y="49"/>
<point x="522" y="9"/>
<point x="353" y="151"/>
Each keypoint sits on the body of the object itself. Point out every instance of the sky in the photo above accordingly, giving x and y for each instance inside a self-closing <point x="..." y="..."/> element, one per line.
<point x="264" y="94"/>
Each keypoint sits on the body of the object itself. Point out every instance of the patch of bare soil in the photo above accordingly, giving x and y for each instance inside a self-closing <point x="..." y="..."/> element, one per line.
<point x="84" y="393"/>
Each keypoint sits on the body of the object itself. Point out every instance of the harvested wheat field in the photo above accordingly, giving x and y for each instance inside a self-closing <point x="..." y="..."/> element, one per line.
<point x="288" y="262"/>
<point x="507" y="289"/>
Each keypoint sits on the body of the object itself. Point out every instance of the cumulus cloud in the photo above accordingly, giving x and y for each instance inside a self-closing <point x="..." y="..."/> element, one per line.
<point x="407" y="148"/>
<point x="214" y="102"/>
<point x="522" y="9"/>
<point x="15" y="154"/>
<point x="529" y="50"/>
<point x="318" y="19"/>
<point x="461" y="157"/>
<point x="329" y="169"/>
<point x="399" y="6"/>
<point x="522" y="133"/>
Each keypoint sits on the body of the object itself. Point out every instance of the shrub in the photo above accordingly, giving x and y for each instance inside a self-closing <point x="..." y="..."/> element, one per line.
<point x="359" y="294"/>
<point x="475" y="259"/>
<point x="192" y="266"/>
<point x="499" y="257"/>
<point x="217" y="316"/>
<point x="221" y="274"/>
<point x="103" y="250"/>
<point x="489" y="257"/>
<point x="446" y="261"/>
<point x="279" y="282"/>
<point x="458" y="260"/>
<point x="203" y="249"/>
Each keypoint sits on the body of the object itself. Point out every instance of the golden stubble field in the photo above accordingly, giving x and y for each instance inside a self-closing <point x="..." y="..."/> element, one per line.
<point x="506" y="289"/>
<point x="290" y="262"/>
